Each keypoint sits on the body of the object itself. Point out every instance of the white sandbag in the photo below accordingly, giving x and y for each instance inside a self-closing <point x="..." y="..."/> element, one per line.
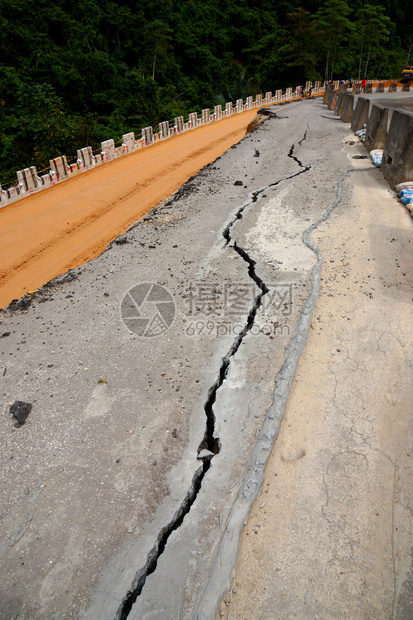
<point x="404" y="185"/>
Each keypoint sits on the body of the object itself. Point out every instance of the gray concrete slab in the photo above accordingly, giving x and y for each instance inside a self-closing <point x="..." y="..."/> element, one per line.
<point x="396" y="101"/>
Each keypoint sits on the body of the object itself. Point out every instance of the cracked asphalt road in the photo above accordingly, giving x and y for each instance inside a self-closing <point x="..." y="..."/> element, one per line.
<point x="125" y="492"/>
<point x="330" y="534"/>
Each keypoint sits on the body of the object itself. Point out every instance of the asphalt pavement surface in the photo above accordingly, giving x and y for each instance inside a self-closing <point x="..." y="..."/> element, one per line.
<point x="158" y="374"/>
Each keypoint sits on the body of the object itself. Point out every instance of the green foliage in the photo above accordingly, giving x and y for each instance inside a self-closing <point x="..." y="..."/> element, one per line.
<point x="76" y="73"/>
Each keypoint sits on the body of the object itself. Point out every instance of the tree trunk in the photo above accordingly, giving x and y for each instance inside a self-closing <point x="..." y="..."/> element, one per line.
<point x="154" y="62"/>
<point x="327" y="59"/>
<point x="361" y="55"/>
<point x="367" y="61"/>
<point x="333" y="62"/>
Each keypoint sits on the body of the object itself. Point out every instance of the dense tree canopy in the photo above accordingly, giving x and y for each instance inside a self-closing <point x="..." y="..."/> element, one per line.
<point x="76" y="73"/>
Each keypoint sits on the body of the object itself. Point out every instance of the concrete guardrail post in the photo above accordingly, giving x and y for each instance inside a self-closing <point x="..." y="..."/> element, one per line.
<point x="193" y="120"/>
<point x="228" y="108"/>
<point x="206" y="116"/>
<point x="3" y="197"/>
<point x="58" y="166"/>
<point x="85" y="157"/>
<point x="332" y="96"/>
<point x="164" y="130"/>
<point x="108" y="150"/>
<point x="376" y="128"/>
<point x="147" y="135"/>
<point x="239" y="105"/>
<point x="339" y="103"/>
<point x="361" y="114"/>
<point x="347" y="110"/>
<point x="248" y="103"/>
<point x="179" y="124"/>
<point x="218" y="112"/>
<point x="327" y="94"/>
<point x="393" y="87"/>
<point x="13" y="194"/>
<point x="128" y="143"/>
<point x="397" y="164"/>
<point x="28" y="180"/>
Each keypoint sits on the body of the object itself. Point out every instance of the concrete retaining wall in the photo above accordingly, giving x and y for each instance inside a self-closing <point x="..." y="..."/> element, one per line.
<point x="396" y="141"/>
<point x="347" y="109"/>
<point x="397" y="165"/>
<point x="376" y="128"/>
<point x="361" y="114"/>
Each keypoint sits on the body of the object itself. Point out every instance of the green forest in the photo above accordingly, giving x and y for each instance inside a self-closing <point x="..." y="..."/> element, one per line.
<point x="75" y="73"/>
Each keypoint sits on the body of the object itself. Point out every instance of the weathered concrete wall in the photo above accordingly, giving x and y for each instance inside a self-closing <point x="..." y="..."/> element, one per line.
<point x="376" y="129"/>
<point x="339" y="102"/>
<point x="361" y="113"/>
<point x="332" y="98"/>
<point x="397" y="163"/>
<point x="346" y="114"/>
<point x="395" y="139"/>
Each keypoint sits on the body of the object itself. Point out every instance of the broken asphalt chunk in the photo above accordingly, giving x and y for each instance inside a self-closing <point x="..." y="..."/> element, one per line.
<point x="20" y="410"/>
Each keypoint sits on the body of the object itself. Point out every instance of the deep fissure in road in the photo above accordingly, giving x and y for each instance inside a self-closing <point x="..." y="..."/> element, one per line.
<point x="209" y="441"/>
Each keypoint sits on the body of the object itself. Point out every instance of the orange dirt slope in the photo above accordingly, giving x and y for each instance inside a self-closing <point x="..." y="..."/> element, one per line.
<point x="60" y="228"/>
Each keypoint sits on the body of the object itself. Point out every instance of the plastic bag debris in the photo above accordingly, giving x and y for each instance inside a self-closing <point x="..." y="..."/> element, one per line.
<point x="376" y="157"/>
<point x="361" y="133"/>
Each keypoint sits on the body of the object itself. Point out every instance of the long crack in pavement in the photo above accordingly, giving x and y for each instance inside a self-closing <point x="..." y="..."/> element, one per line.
<point x="209" y="443"/>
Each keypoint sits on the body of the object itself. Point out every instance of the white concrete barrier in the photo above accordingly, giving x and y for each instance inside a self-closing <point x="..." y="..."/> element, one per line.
<point x="258" y="101"/>
<point x="164" y="130"/>
<point x="59" y="166"/>
<point x="108" y="150"/>
<point x="268" y="97"/>
<point x="206" y="116"/>
<point x="228" y="108"/>
<point x="248" y="103"/>
<point x="193" y="120"/>
<point x="288" y="93"/>
<point x="179" y="124"/>
<point x="3" y="197"/>
<point x="217" y="112"/>
<point x="85" y="158"/>
<point x="13" y="194"/>
<point x="147" y="135"/>
<point x="46" y="179"/>
<point x="128" y="142"/>
<point x="28" y="180"/>
<point x="278" y="95"/>
<point x="239" y="106"/>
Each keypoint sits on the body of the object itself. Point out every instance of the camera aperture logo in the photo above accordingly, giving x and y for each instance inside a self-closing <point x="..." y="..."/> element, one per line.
<point x="148" y="310"/>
